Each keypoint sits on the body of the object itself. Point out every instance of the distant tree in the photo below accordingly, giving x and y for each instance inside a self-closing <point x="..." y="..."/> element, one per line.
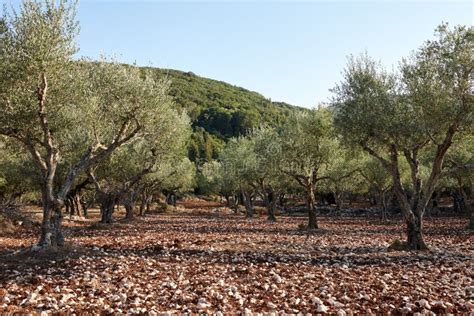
<point x="18" y="175"/>
<point x="306" y="146"/>
<point x="214" y="180"/>
<point x="378" y="181"/>
<point x="122" y="177"/>
<point x="204" y="147"/>
<point x="239" y="164"/>
<point x="391" y="119"/>
<point x="207" y="148"/>
<point x="341" y="172"/>
<point x="269" y="180"/>
<point x="460" y="170"/>
<point x="243" y="121"/>
<point x="193" y="150"/>
<point x="210" y="178"/>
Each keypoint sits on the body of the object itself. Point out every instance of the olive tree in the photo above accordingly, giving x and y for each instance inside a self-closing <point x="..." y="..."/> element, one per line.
<point x="460" y="166"/>
<point x="124" y="176"/>
<point x="213" y="180"/>
<point x="210" y="179"/>
<point x="268" y="179"/>
<point x="306" y="146"/>
<point x="393" y="119"/>
<point x="178" y="177"/>
<point x="239" y="165"/>
<point x="61" y="110"/>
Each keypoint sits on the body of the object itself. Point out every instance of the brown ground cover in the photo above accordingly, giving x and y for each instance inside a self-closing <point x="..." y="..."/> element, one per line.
<point x="200" y="260"/>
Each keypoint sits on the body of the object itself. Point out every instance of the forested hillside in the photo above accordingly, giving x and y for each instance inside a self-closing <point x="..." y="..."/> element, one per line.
<point x="219" y="110"/>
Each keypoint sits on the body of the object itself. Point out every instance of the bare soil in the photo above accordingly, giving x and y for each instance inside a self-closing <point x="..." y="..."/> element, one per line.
<point x="201" y="260"/>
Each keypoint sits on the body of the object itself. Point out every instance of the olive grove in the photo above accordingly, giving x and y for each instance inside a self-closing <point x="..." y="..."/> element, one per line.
<point x="78" y="134"/>
<point x="71" y="115"/>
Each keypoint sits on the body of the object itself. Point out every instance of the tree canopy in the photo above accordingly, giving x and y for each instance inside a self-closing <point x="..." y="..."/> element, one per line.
<point x="424" y="108"/>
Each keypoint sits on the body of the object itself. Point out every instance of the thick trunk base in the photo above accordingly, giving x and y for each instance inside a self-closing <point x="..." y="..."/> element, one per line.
<point x="312" y="221"/>
<point x="271" y="217"/>
<point x="106" y="209"/>
<point x="271" y="208"/>
<point x="415" y="239"/>
<point x="129" y="215"/>
<point x="247" y="199"/>
<point x="51" y="230"/>
<point x="106" y="216"/>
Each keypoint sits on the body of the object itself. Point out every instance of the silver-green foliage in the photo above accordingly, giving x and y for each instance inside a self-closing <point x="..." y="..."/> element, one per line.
<point x="407" y="116"/>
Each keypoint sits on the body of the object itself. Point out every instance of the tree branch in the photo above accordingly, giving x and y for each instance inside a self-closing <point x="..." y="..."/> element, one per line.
<point x="372" y="152"/>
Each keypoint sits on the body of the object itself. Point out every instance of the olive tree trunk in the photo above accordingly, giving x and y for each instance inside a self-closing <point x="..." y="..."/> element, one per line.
<point x="248" y="203"/>
<point x="107" y="204"/>
<point x="312" y="220"/>
<point x="270" y="203"/>
<point x="143" y="204"/>
<point x="51" y="232"/>
<point x="129" y="204"/>
<point x="381" y="203"/>
<point x="413" y="211"/>
<point x="415" y="239"/>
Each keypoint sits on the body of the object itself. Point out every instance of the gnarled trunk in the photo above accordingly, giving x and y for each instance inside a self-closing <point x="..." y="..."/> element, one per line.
<point x="76" y="204"/>
<point x="85" y="205"/>
<point x="129" y="204"/>
<point x="107" y="203"/>
<point x="433" y="209"/>
<point x="248" y="204"/>
<point x="51" y="230"/>
<point x="146" y="199"/>
<point x="458" y="203"/>
<point x="384" y="208"/>
<point x="71" y="207"/>
<point x="282" y="200"/>
<point x="143" y="204"/>
<point x="234" y="200"/>
<point x="270" y="203"/>
<point x="271" y="208"/>
<point x="339" y="197"/>
<point x="227" y="200"/>
<point x="415" y="240"/>
<point x="129" y="210"/>
<point x="171" y="198"/>
<point x="312" y="221"/>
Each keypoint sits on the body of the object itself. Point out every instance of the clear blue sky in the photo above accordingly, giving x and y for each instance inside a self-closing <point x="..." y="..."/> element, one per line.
<point x="288" y="51"/>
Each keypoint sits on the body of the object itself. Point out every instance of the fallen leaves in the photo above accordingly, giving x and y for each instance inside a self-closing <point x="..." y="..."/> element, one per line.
<point x="221" y="263"/>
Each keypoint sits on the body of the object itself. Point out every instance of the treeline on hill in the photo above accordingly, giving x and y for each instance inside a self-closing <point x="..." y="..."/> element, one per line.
<point x="219" y="111"/>
<point x="77" y="134"/>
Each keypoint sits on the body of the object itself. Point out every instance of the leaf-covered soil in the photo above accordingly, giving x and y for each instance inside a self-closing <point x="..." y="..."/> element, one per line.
<point x="216" y="262"/>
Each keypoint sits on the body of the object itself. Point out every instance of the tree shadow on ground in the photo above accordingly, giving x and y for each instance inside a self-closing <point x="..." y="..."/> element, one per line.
<point x="317" y="255"/>
<point x="65" y="258"/>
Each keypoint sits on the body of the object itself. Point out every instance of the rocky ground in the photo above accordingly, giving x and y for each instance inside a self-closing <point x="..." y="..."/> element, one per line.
<point x="218" y="263"/>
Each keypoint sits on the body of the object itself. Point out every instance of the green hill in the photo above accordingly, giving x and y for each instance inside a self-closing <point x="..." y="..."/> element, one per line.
<point x="219" y="110"/>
